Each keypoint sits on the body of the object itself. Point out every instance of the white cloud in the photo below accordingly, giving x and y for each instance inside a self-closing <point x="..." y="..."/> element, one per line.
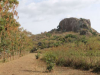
<point x="49" y="12"/>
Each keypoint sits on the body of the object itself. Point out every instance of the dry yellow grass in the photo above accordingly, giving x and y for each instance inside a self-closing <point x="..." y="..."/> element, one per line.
<point x="28" y="65"/>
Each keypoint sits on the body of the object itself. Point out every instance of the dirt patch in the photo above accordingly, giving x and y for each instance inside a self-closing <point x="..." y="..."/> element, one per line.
<point x="28" y="65"/>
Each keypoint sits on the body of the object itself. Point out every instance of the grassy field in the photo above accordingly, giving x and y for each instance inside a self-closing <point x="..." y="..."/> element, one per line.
<point x="70" y="49"/>
<point x="79" y="59"/>
<point x="79" y="55"/>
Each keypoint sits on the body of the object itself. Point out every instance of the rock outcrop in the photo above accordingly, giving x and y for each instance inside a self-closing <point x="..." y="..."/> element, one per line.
<point x="81" y="26"/>
<point x="74" y="24"/>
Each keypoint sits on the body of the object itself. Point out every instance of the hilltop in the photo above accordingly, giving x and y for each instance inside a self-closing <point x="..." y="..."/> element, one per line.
<point x="69" y="29"/>
<point x="82" y="26"/>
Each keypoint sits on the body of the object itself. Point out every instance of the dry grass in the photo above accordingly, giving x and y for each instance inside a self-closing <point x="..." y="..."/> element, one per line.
<point x="70" y="56"/>
<point x="28" y="65"/>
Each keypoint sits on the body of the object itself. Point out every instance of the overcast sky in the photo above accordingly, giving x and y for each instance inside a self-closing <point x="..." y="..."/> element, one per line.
<point x="38" y="16"/>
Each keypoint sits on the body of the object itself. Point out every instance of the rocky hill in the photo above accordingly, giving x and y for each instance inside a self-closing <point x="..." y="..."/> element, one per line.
<point x="74" y="24"/>
<point x="82" y="26"/>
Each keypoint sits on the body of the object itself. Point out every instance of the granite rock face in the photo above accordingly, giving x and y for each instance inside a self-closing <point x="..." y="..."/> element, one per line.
<point x="74" y="24"/>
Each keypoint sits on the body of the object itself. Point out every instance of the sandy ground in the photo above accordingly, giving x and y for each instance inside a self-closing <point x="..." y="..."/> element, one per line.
<point x="28" y="65"/>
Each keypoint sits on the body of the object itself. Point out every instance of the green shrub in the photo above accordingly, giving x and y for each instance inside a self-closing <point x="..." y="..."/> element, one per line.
<point x="94" y="33"/>
<point x="69" y="40"/>
<point x="84" y="40"/>
<point x="68" y="62"/>
<point x="70" y="35"/>
<point x="81" y="64"/>
<point x="97" y="67"/>
<point x="37" y="56"/>
<point x="62" y="39"/>
<point x="56" y="37"/>
<point x="43" y="45"/>
<point x="48" y="34"/>
<point x="57" y="44"/>
<point x="50" y="59"/>
<point x="50" y="66"/>
<point x="60" y="61"/>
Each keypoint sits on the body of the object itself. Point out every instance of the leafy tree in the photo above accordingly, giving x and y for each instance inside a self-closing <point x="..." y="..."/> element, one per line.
<point x="12" y="38"/>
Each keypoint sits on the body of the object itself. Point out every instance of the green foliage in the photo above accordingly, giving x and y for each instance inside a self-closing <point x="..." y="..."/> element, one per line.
<point x="71" y="56"/>
<point x="61" y="61"/>
<point x="37" y="56"/>
<point x="62" y="39"/>
<point x="12" y="38"/>
<point x="97" y="67"/>
<point x="50" y="66"/>
<point x="94" y="33"/>
<point x="57" y="44"/>
<point x="56" y="37"/>
<point x="50" y="59"/>
<point x="48" y="34"/>
<point x="71" y="36"/>
<point x="84" y="40"/>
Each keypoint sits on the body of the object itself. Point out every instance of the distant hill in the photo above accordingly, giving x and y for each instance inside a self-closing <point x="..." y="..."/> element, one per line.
<point x="69" y="30"/>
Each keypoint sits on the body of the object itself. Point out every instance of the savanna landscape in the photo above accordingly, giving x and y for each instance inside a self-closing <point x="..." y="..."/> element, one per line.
<point x="72" y="48"/>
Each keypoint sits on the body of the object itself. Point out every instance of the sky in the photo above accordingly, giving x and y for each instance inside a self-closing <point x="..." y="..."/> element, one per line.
<point x="39" y="16"/>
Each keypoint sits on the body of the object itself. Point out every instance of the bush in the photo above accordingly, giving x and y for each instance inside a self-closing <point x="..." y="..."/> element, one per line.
<point x="70" y="35"/>
<point x="37" y="56"/>
<point x="94" y="33"/>
<point x="60" y="61"/>
<point x="97" y="67"/>
<point x="50" y="59"/>
<point x="48" y="34"/>
<point x="43" y="45"/>
<point x="62" y="39"/>
<point x="56" y="44"/>
<point x="81" y="64"/>
<point x="50" y="66"/>
<point x="84" y="41"/>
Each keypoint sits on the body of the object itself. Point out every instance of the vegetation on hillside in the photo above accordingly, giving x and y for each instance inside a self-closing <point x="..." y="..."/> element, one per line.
<point x="13" y="39"/>
<point x="79" y="52"/>
<point x="69" y="49"/>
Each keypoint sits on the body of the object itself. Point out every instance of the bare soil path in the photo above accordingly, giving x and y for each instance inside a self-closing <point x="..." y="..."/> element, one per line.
<point x="28" y="65"/>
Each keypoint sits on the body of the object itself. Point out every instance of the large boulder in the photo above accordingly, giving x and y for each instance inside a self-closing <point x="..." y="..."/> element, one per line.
<point x="74" y="24"/>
